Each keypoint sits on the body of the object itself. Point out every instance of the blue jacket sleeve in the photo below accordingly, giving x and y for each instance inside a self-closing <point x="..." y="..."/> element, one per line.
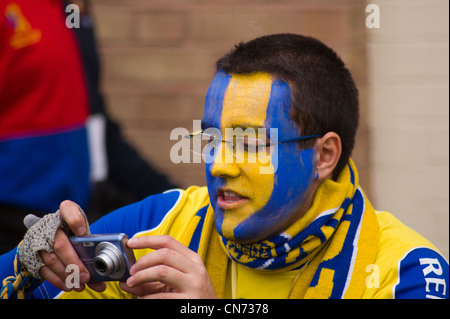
<point x="7" y="264"/>
<point x="139" y="216"/>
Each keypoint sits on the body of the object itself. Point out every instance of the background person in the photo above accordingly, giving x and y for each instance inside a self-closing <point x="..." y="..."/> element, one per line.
<point x="56" y="139"/>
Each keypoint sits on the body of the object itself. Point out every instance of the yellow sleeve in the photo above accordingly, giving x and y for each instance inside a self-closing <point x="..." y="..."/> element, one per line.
<point x="112" y="291"/>
<point x="396" y="241"/>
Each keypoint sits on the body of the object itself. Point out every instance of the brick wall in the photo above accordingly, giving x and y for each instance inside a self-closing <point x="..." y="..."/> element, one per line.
<point x="409" y="114"/>
<point x="158" y="59"/>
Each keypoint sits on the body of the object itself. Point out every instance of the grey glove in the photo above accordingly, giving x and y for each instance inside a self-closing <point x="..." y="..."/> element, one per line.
<point x="41" y="236"/>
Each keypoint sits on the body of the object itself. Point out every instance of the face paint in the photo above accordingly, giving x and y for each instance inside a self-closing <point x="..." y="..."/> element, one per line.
<point x="250" y="206"/>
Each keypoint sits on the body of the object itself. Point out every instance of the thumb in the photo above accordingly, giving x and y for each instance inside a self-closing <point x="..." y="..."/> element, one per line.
<point x="74" y="218"/>
<point x="30" y="220"/>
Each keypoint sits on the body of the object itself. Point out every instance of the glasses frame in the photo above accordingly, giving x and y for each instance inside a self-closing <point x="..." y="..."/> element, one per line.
<point x="300" y="138"/>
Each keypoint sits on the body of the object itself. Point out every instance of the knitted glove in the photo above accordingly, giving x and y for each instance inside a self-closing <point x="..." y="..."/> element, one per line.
<point x="41" y="236"/>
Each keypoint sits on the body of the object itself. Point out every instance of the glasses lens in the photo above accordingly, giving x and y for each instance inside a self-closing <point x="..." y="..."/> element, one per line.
<point x="243" y="148"/>
<point x="249" y="149"/>
<point x="203" y="144"/>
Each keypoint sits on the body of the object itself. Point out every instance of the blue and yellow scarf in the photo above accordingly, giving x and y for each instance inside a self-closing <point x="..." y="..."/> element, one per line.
<point x="332" y="244"/>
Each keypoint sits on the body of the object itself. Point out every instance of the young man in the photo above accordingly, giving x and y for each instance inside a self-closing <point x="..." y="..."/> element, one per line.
<point x="282" y="215"/>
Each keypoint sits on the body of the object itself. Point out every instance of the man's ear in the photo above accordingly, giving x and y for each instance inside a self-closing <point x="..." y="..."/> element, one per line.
<point x="328" y="151"/>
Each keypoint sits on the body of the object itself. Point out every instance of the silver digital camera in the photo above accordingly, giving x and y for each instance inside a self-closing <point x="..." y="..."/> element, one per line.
<point x="106" y="256"/>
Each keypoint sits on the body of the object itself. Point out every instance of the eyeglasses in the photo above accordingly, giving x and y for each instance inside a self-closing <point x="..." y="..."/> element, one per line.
<point x="243" y="145"/>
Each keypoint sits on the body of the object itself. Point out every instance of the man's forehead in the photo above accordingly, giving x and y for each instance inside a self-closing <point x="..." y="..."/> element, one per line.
<point x="244" y="100"/>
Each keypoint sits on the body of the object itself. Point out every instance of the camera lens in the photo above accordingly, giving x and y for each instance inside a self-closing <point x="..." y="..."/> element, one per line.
<point x="101" y="266"/>
<point x="109" y="261"/>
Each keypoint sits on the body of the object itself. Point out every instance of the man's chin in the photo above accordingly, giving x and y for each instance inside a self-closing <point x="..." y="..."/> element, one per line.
<point x="243" y="240"/>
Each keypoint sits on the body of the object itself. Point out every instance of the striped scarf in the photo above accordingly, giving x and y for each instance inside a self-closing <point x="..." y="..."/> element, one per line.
<point x="333" y="244"/>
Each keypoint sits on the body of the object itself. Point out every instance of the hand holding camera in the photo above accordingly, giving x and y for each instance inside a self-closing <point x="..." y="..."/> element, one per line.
<point x="172" y="270"/>
<point x="106" y="256"/>
<point x="64" y="254"/>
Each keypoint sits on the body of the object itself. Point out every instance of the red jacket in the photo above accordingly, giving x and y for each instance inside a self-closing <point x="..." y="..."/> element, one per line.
<point x="43" y="107"/>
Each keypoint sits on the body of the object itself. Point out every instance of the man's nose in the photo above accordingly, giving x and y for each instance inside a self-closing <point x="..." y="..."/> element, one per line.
<point x="224" y="163"/>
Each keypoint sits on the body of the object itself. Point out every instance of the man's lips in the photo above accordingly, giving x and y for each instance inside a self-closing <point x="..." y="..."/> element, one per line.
<point x="228" y="199"/>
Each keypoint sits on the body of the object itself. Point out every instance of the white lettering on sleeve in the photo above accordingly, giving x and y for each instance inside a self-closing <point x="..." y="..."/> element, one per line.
<point x="430" y="268"/>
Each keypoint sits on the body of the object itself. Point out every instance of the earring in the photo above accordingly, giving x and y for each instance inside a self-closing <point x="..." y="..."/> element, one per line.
<point x="317" y="176"/>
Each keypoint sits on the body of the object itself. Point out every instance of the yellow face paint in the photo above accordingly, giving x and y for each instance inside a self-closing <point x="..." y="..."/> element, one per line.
<point x="250" y="206"/>
<point x="244" y="105"/>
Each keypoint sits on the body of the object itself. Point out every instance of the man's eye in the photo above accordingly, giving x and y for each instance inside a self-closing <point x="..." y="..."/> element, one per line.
<point x="254" y="146"/>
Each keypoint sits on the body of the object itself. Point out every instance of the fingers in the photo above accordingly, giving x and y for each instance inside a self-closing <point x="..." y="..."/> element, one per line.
<point x="172" y="270"/>
<point x="46" y="273"/>
<point x="59" y="280"/>
<point x="66" y="253"/>
<point x="158" y="242"/>
<point x="168" y="295"/>
<point x="168" y="263"/>
<point x="162" y="273"/>
<point x="144" y="289"/>
<point x="164" y="256"/>
<point x="55" y="269"/>
<point x="55" y="273"/>
<point x="70" y="213"/>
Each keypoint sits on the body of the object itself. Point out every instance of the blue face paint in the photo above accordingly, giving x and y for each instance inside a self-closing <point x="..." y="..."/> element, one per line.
<point x="294" y="175"/>
<point x="212" y="118"/>
<point x="214" y="99"/>
<point x="282" y="201"/>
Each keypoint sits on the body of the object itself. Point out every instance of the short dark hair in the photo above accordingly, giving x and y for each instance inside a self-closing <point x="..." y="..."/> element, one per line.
<point x="324" y="95"/>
